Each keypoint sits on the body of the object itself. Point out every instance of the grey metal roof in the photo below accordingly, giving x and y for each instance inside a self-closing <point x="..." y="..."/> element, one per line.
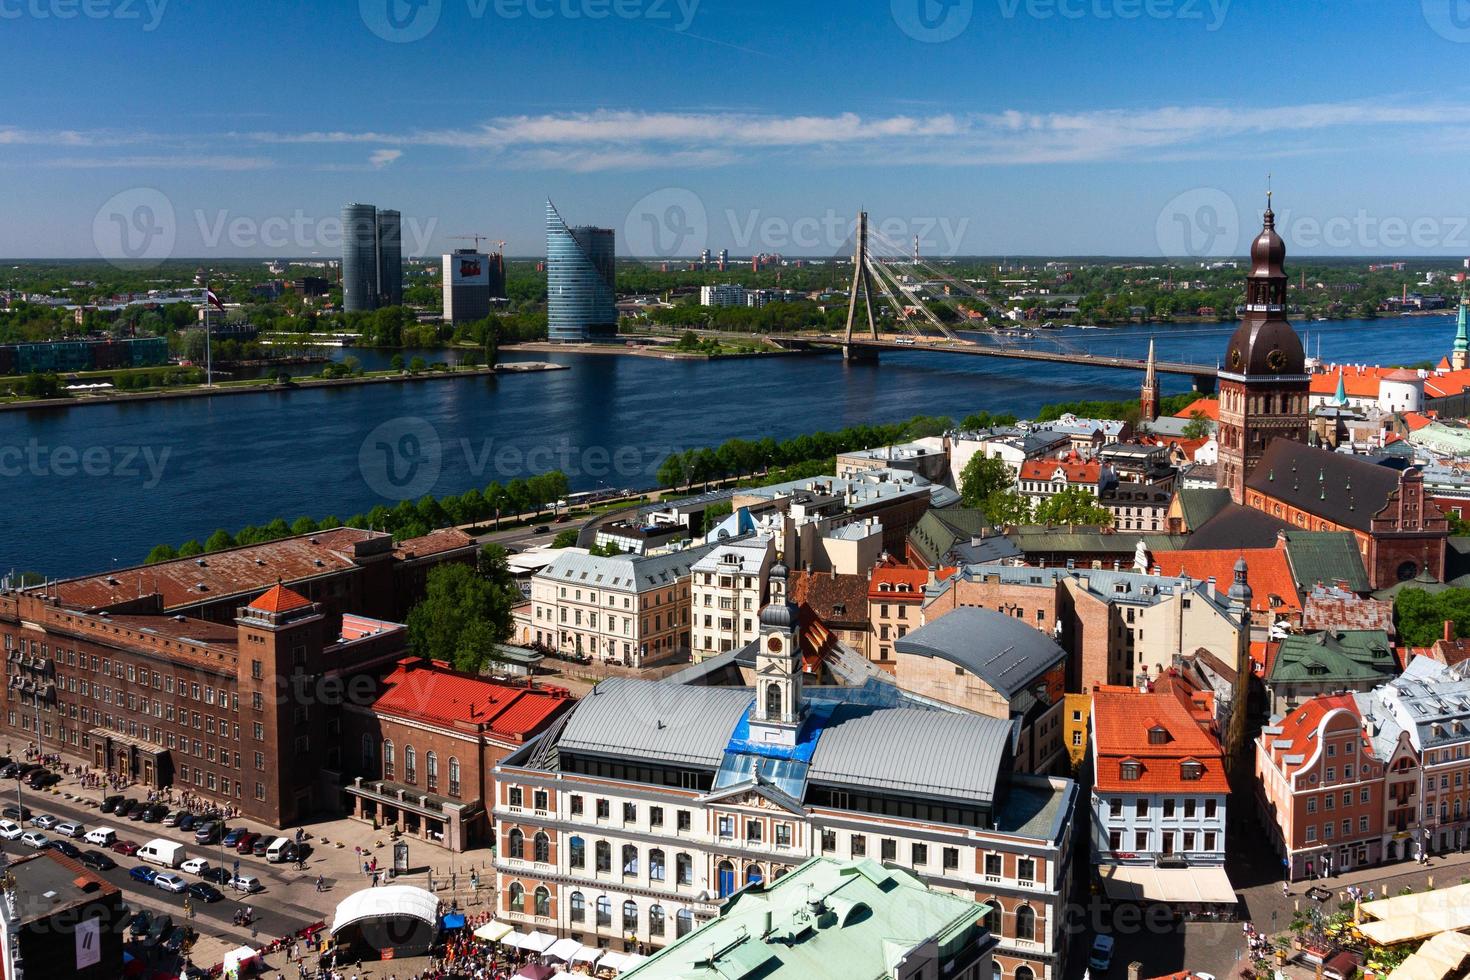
<point x="644" y="719"/>
<point x="625" y="573"/>
<point x="912" y="750"/>
<point x="1003" y="651"/>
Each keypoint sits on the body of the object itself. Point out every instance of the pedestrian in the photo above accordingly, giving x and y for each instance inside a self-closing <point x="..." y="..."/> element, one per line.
<point x="1285" y="890"/>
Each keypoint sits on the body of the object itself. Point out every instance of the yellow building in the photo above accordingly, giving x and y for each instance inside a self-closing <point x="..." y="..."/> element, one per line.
<point x="1076" y="715"/>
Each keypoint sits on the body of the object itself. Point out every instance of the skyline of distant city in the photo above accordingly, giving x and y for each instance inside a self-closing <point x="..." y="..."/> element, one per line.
<point x="985" y="128"/>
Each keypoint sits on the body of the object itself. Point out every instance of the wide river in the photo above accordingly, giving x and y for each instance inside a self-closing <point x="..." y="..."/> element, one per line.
<point x="98" y="486"/>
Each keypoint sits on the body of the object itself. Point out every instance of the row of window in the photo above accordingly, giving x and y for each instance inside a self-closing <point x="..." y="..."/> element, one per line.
<point x="1142" y="840"/>
<point x="410" y="765"/>
<point x="1329" y="829"/>
<point x="1168" y="807"/>
<point x="1329" y="799"/>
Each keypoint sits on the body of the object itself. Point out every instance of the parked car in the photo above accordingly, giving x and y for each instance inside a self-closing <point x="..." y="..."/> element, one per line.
<point x="262" y="845"/>
<point x="155" y="813"/>
<point x="246" y="842"/>
<point x="170" y="882"/>
<point x="139" y="924"/>
<point x="1101" y="957"/>
<point x="233" y="835"/>
<point x="34" y="838"/>
<point x="126" y="847"/>
<point x="10" y="830"/>
<point x="97" y="861"/>
<point x="11" y="770"/>
<point x="124" y="807"/>
<point x="101" y="836"/>
<point x="66" y="847"/>
<point x="142" y="873"/>
<point x="162" y="926"/>
<point x="137" y="812"/>
<point x="177" y="939"/>
<point x="45" y="821"/>
<point x="207" y="833"/>
<point x="70" y="829"/>
<point x="220" y="876"/>
<point x="249" y="884"/>
<point x="111" y="803"/>
<point x="172" y="818"/>
<point x="41" y="778"/>
<point x="187" y="821"/>
<point x="205" y="892"/>
<point x="12" y="812"/>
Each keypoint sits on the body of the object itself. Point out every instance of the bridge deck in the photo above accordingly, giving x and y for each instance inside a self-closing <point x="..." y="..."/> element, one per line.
<point x="1016" y="353"/>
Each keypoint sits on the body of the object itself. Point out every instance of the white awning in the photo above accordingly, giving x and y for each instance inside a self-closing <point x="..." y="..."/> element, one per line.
<point x="1405" y="918"/>
<point x="538" y="942"/>
<point x="493" y="931"/>
<point x="513" y="939"/>
<point x="563" y="949"/>
<point x="1441" y="958"/>
<point x="1184" y="886"/>
<point x="587" y="954"/>
<point x="389" y="901"/>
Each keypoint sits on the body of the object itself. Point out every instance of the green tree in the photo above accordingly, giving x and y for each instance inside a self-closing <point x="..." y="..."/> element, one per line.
<point x="1420" y="615"/>
<point x="417" y="365"/>
<point x="161" y="552"/>
<point x="396" y="362"/>
<point x="982" y="477"/>
<point x="1198" y="426"/>
<point x="1075" y="507"/>
<point x="565" y="539"/>
<point x="461" y="617"/>
<point x="305" y="525"/>
<point x="1006" y="508"/>
<point x="190" y="548"/>
<point x="219" y="541"/>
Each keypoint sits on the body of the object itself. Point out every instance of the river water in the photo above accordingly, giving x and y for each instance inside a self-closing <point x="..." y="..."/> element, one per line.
<point x="89" y="487"/>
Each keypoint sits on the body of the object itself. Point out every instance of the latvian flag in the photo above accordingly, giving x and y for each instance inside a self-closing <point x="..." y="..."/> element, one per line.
<point x="214" y="300"/>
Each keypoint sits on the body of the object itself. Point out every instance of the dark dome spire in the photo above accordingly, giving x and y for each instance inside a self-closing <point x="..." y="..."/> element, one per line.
<point x="1268" y="251"/>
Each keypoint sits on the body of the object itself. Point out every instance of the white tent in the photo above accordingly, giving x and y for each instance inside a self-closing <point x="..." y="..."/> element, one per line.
<point x="493" y="931"/>
<point x="513" y="939"/>
<point x="389" y="901"/>
<point x="563" y="950"/>
<point x="538" y="942"/>
<point x="614" y="961"/>
<point x="237" y="960"/>
<point x="587" y="954"/>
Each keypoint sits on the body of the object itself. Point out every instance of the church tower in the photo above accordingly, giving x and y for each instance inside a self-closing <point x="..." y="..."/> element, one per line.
<point x="1264" y="385"/>
<point x="778" y="713"/>
<point x="1241" y="597"/>
<point x="1148" y="402"/>
<point x="1460" y="358"/>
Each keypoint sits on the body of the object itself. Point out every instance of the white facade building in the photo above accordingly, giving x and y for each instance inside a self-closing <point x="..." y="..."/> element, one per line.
<point x="728" y="591"/>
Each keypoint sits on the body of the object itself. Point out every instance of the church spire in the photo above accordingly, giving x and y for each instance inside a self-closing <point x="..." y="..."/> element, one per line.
<point x="1148" y="402"/>
<point x="1340" y="399"/>
<point x="1460" y="359"/>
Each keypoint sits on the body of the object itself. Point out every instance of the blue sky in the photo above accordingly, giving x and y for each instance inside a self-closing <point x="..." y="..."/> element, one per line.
<point x="1133" y="127"/>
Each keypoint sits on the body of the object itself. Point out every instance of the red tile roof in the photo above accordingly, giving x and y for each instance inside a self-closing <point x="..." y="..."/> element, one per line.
<point x="1210" y="407"/>
<point x="280" y="599"/>
<point x="434" y="694"/>
<point x="433" y="543"/>
<point x="1267" y="571"/>
<point x="1415" y="421"/>
<point x="902" y="583"/>
<point x="1300" y="730"/>
<point x="1122" y="719"/>
<point x="1089" y="472"/>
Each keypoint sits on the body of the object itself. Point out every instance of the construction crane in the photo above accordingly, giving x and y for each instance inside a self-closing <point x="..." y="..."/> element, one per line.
<point x="477" y="239"/>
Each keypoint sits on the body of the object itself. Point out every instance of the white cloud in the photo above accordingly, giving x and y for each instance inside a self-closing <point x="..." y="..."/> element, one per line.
<point x="381" y="158"/>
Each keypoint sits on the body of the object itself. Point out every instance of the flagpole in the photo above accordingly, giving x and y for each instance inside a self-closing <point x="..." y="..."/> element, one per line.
<point x="208" y="358"/>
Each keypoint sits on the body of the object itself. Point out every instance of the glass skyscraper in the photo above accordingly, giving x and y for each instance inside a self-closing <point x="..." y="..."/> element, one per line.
<point x="372" y="258"/>
<point x="581" y="297"/>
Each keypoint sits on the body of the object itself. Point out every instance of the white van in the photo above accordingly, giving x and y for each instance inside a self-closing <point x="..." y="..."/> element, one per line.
<point x="282" y="849"/>
<point x="101" y="836"/>
<point x="167" y="853"/>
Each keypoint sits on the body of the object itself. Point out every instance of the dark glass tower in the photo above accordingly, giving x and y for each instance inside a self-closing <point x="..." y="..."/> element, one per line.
<point x="390" y="258"/>
<point x="580" y="281"/>
<point x="359" y="258"/>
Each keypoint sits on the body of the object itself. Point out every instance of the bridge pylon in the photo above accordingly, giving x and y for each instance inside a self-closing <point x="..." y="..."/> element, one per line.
<point x="861" y="281"/>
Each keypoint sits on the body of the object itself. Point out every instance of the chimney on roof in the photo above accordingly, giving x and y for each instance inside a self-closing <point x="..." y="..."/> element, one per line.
<point x="1210" y="586"/>
<point x="1449" y="631"/>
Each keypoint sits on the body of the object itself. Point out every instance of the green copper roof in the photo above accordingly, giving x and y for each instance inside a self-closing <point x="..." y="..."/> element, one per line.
<point x="1326" y="557"/>
<point x="1341" y="655"/>
<point x="857" y="920"/>
<point x="1462" y="333"/>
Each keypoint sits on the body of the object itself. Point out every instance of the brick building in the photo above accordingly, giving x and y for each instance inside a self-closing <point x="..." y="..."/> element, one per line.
<point x="424" y="751"/>
<point x="57" y="918"/>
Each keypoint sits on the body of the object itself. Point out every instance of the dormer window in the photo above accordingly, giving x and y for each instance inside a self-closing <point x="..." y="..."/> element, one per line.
<point x="1158" y="735"/>
<point x="1191" y="771"/>
<point x="1131" y="771"/>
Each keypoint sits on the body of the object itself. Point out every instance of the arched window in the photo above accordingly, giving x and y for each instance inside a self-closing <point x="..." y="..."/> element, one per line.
<point x="630" y="860"/>
<point x="656" y="920"/>
<point x="577" y="852"/>
<point x="656" y="865"/>
<point x="753" y="874"/>
<point x="604" y="856"/>
<point x="387" y="758"/>
<point x="604" y="912"/>
<point x="684" y="869"/>
<point x="367" y="753"/>
<point x="541" y="848"/>
<point x="773" y="700"/>
<point x="515" y="844"/>
<point x="517" y="897"/>
<point x="1025" y="973"/>
<point x="578" y="905"/>
<point x="683" y="923"/>
<point x="431" y="764"/>
<point x="410" y="764"/>
<point x="543" y="902"/>
<point x="453" y="776"/>
<point x="992" y="919"/>
<point x="996" y="973"/>
<point x="630" y="915"/>
<point x="1025" y="924"/>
